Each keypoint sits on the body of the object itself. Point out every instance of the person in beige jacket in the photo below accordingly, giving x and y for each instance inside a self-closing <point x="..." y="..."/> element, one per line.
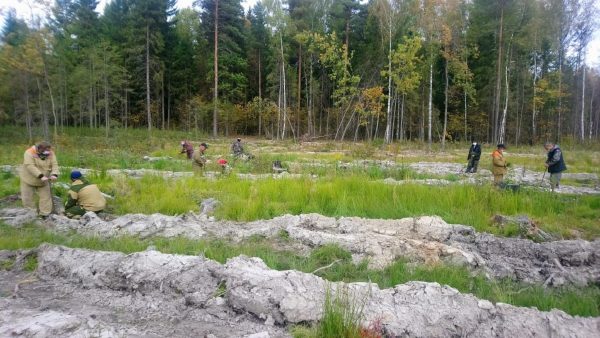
<point x="499" y="165"/>
<point x="83" y="197"/>
<point x="40" y="167"/>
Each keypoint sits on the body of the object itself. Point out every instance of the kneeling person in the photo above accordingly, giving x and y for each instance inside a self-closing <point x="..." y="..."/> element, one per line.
<point x="83" y="197"/>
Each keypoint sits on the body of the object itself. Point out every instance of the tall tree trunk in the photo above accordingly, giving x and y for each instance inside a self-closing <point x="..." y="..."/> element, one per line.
<point x="279" y="104"/>
<point x="91" y="96"/>
<point x="429" y="109"/>
<point x="169" y="104"/>
<point x="583" y="105"/>
<point x="284" y="90"/>
<point x="126" y="106"/>
<point x="216" y="70"/>
<point x="309" y="98"/>
<point x="422" y="124"/>
<point x="559" y="121"/>
<point x="299" y="97"/>
<point x="259" y="94"/>
<point x="43" y="112"/>
<point x="388" y="127"/>
<point x="28" y="111"/>
<point x="66" y="99"/>
<point x="47" y="80"/>
<point x="393" y="110"/>
<point x="497" y="94"/>
<point x="106" y="113"/>
<point x="55" y="118"/>
<point x="80" y="112"/>
<point x="502" y="131"/>
<point x="445" y="105"/>
<point x="162" y="99"/>
<point x="402" y="119"/>
<point x="591" y="126"/>
<point x="148" y="113"/>
<point x="465" y="99"/>
<point x="533" y="104"/>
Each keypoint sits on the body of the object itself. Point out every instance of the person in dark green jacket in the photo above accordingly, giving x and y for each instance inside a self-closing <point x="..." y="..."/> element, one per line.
<point x="83" y="197"/>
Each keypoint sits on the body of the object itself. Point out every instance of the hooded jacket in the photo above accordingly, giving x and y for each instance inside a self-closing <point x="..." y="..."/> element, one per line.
<point x="86" y="195"/>
<point x="555" y="161"/>
<point x="498" y="163"/>
<point x="34" y="167"/>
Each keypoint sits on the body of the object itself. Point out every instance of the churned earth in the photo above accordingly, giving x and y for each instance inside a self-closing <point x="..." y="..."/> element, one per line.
<point x="83" y="293"/>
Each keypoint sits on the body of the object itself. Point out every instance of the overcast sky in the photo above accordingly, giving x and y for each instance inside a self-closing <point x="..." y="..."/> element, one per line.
<point x="23" y="10"/>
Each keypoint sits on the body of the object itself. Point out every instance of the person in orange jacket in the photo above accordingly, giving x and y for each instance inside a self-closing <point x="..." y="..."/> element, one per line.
<point x="499" y="164"/>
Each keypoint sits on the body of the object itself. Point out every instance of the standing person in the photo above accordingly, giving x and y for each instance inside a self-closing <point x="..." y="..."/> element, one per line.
<point x="473" y="158"/>
<point x="237" y="148"/>
<point x="199" y="159"/>
<point x="499" y="164"/>
<point x="555" y="164"/>
<point x="83" y="197"/>
<point x="187" y="148"/>
<point x="40" y="167"/>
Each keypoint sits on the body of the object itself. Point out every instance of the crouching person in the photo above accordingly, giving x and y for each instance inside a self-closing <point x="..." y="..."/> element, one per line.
<point x="83" y="197"/>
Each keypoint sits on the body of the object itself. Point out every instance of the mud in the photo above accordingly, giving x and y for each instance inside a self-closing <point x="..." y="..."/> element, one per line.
<point x="85" y="293"/>
<point x="422" y="240"/>
<point x="62" y="299"/>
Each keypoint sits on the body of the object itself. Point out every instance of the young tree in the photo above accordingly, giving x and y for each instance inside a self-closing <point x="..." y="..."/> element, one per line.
<point x="405" y="74"/>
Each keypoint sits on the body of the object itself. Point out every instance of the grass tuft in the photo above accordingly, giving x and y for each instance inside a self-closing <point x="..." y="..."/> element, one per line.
<point x="341" y="315"/>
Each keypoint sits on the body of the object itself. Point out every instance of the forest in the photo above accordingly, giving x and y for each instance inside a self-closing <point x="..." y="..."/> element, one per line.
<point x="506" y="71"/>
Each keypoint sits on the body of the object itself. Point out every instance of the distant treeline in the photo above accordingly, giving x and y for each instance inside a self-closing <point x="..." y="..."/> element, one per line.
<point x="509" y="71"/>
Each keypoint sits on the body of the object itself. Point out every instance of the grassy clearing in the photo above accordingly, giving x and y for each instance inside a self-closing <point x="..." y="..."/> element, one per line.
<point x="583" y="302"/>
<point x="355" y="195"/>
<point x="124" y="148"/>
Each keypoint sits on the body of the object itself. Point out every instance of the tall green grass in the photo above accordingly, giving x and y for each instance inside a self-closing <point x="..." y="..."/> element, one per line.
<point x="356" y="195"/>
<point x="575" y="301"/>
<point x="341" y="315"/>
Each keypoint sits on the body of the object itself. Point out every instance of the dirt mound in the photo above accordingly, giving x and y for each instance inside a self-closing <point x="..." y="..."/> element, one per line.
<point x="150" y="294"/>
<point x="420" y="239"/>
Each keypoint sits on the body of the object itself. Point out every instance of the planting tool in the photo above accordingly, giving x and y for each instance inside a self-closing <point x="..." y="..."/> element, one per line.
<point x="542" y="181"/>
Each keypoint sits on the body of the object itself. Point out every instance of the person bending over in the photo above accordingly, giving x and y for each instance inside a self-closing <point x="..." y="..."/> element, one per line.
<point x="39" y="168"/>
<point x="83" y="197"/>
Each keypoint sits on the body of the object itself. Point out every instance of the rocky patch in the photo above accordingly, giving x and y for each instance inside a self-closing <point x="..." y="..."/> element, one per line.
<point x="419" y="239"/>
<point x="104" y="294"/>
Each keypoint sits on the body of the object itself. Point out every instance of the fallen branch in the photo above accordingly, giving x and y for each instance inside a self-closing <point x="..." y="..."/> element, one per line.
<point x="327" y="266"/>
<point x="23" y="281"/>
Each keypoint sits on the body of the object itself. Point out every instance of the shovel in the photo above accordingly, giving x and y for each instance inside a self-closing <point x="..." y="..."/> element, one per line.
<point x="542" y="180"/>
